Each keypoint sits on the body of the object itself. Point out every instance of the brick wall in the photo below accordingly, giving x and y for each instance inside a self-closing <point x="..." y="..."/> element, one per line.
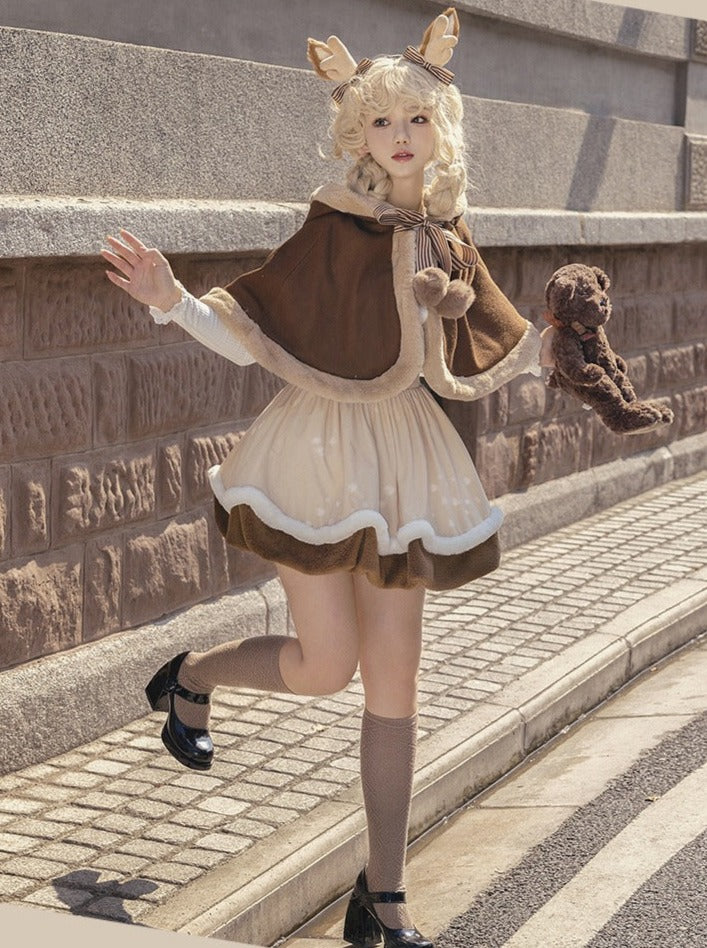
<point x="526" y="433"/>
<point x="109" y="423"/>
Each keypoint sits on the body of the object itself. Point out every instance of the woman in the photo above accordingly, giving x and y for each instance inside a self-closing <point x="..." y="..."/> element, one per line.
<point x="353" y="480"/>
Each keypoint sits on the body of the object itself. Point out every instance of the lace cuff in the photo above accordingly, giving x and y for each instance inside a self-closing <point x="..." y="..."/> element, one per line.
<point x="161" y="317"/>
<point x="201" y="322"/>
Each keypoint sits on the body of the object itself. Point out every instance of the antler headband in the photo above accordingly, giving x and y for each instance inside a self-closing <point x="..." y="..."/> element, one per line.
<point x="332" y="60"/>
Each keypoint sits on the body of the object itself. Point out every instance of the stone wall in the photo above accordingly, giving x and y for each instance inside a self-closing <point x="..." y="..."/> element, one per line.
<point x="108" y="425"/>
<point x="615" y="97"/>
<point x="526" y="433"/>
<point x="587" y="127"/>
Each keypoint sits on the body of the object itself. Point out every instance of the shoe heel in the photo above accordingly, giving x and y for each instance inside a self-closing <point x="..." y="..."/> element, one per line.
<point x="359" y="927"/>
<point x="156" y="689"/>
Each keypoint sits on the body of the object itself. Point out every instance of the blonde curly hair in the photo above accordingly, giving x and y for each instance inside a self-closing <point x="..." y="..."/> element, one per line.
<point x="390" y="81"/>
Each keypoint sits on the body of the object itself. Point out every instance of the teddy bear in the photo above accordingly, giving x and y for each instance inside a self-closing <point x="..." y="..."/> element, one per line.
<point x="583" y="363"/>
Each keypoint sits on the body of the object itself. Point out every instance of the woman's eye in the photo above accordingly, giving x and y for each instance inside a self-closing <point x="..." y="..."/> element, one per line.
<point x="380" y="122"/>
<point x="420" y="119"/>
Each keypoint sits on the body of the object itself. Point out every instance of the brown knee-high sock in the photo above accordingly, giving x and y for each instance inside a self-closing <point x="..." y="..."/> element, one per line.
<point x="387" y="769"/>
<point x="244" y="663"/>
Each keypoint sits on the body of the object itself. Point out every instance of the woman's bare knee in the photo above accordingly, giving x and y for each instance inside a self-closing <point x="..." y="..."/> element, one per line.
<point x="335" y="678"/>
<point x="324" y="656"/>
<point x="390" y="685"/>
<point x="324" y="671"/>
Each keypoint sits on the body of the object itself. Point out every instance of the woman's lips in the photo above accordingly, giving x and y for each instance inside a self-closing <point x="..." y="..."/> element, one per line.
<point x="402" y="156"/>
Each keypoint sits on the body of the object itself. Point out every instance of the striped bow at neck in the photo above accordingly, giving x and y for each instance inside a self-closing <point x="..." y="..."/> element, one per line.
<point x="437" y="246"/>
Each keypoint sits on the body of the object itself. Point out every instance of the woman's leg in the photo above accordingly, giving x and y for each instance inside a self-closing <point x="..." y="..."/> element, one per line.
<point x="320" y="660"/>
<point x="390" y="628"/>
<point x="323" y="658"/>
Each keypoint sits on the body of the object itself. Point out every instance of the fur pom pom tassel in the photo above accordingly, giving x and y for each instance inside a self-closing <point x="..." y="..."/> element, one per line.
<point x="429" y="286"/>
<point x="456" y="301"/>
<point x="433" y="290"/>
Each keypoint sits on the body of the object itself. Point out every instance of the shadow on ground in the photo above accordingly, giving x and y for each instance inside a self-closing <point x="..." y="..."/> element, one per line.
<point x="83" y="894"/>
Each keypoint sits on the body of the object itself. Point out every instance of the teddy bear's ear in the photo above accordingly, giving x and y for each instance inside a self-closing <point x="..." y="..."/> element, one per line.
<point x="560" y="287"/>
<point x="602" y="278"/>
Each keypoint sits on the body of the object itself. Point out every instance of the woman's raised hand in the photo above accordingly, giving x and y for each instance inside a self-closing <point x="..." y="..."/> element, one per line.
<point x="147" y="277"/>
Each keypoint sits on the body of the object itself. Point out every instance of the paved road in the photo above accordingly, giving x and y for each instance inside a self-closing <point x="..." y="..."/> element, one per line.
<point x="599" y="841"/>
<point x="117" y="829"/>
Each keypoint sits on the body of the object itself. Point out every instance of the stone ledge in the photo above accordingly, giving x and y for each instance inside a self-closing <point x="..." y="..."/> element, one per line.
<point x="212" y="27"/>
<point x="547" y="507"/>
<point x="614" y="144"/>
<point x="650" y="33"/>
<point x="75" y="226"/>
<point x="528" y="227"/>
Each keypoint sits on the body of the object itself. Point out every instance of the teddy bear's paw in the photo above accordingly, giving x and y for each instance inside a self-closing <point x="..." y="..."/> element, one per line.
<point x="666" y="414"/>
<point x="643" y="429"/>
<point x="636" y="418"/>
<point x="456" y="301"/>
<point x="429" y="286"/>
<point x="592" y="373"/>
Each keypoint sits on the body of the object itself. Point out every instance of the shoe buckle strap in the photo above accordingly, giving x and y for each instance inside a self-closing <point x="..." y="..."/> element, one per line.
<point x="387" y="896"/>
<point x="192" y="696"/>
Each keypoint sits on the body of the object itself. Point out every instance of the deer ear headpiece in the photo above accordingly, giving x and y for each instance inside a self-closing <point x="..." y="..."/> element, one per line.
<point x="332" y="60"/>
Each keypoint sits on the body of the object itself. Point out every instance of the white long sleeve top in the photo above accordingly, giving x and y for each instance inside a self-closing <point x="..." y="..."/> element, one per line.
<point x="201" y="322"/>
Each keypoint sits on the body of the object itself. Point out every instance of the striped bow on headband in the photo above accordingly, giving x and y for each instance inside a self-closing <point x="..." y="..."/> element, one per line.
<point x="332" y="60"/>
<point x="361" y="70"/>
<point x="437" y="246"/>
<point x="439" y="72"/>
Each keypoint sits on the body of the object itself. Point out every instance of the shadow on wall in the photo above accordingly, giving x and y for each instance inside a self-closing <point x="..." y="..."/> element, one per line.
<point x="631" y="27"/>
<point x="591" y="163"/>
<point x="682" y="182"/>
<point x="594" y="150"/>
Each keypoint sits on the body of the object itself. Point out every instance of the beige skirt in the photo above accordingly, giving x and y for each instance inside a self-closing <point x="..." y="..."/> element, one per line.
<point x="386" y="488"/>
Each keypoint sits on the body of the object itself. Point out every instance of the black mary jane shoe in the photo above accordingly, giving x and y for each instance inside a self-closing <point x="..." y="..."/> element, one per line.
<point x="191" y="746"/>
<point x="363" y="928"/>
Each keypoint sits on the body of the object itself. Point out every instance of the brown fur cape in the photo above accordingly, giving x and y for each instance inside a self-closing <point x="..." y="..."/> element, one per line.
<point x="333" y="310"/>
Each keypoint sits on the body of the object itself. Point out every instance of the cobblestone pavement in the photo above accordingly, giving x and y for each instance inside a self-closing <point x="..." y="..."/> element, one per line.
<point x="115" y="827"/>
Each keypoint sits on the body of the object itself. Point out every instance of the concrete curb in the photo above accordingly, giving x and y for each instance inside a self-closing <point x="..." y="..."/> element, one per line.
<point x="313" y="865"/>
<point x="45" y="724"/>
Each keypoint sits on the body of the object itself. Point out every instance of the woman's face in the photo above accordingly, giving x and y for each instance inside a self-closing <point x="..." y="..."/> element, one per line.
<point x="401" y="141"/>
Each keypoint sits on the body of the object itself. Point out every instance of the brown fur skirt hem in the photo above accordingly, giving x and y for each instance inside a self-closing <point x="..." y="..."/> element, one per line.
<point x="358" y="553"/>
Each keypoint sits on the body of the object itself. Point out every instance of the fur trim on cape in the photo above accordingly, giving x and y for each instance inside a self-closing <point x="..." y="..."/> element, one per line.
<point x="405" y="371"/>
<point x="522" y="358"/>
